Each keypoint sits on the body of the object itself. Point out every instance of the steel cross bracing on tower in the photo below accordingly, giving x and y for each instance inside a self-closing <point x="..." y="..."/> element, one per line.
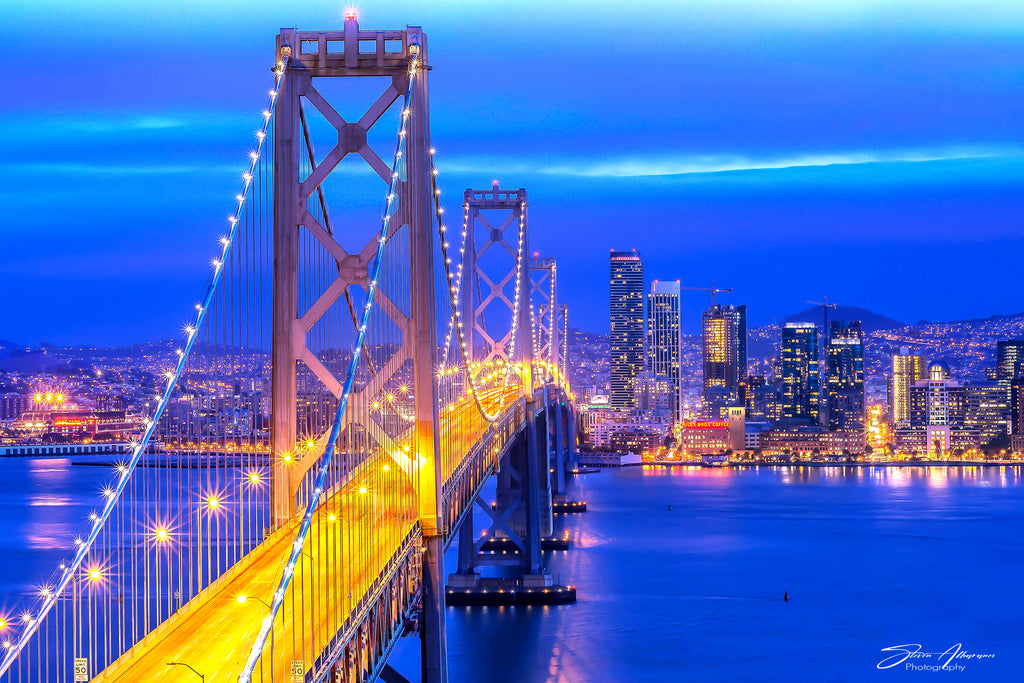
<point x="543" y="292"/>
<point x="285" y="510"/>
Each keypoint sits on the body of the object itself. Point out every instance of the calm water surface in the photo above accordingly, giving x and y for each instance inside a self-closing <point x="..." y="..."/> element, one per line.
<point x="871" y="558"/>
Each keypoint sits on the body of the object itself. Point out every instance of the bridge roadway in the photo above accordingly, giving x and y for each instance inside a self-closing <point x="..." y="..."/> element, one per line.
<point x="213" y="631"/>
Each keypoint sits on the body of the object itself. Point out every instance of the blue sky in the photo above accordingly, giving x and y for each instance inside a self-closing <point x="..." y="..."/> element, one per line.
<point x="870" y="151"/>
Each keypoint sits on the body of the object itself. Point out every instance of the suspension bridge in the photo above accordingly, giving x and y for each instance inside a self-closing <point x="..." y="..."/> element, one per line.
<point x="323" y="430"/>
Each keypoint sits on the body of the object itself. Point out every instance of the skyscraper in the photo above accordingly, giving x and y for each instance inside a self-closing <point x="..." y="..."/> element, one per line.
<point x="663" y="337"/>
<point x="907" y="369"/>
<point x="626" y="325"/>
<point x="800" y="372"/>
<point x="1009" y="360"/>
<point x="845" y="375"/>
<point x="725" y="346"/>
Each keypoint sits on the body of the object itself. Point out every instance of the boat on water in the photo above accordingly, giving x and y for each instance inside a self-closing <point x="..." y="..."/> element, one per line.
<point x="714" y="460"/>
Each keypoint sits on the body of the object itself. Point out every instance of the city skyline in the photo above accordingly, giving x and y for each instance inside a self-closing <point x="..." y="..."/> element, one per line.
<point x="296" y="416"/>
<point x="756" y="168"/>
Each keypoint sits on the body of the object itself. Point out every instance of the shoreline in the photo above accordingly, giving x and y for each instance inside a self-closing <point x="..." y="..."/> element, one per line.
<point x="887" y="463"/>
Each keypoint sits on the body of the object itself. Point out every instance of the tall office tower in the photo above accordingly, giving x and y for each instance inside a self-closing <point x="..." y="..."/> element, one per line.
<point x="663" y="338"/>
<point x="800" y="372"/>
<point x="845" y="375"/>
<point x="1009" y="360"/>
<point x="725" y="346"/>
<point x="1017" y="407"/>
<point x="907" y="370"/>
<point x="626" y="325"/>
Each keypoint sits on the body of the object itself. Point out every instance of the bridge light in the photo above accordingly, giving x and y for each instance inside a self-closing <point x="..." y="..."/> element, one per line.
<point x="310" y="444"/>
<point x="254" y="478"/>
<point x="3" y="624"/>
<point x="241" y="599"/>
<point x="351" y="14"/>
<point x="49" y="398"/>
<point x="213" y="502"/>
<point x="386" y="468"/>
<point x="161" y="534"/>
<point x="362" y="489"/>
<point x="95" y="575"/>
<point x="332" y="518"/>
<point x="287" y="457"/>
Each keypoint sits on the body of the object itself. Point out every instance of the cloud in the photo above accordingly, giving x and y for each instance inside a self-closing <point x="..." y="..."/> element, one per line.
<point x="635" y="166"/>
<point x="141" y="168"/>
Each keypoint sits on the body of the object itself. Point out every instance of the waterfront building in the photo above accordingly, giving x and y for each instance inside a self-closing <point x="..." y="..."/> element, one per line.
<point x="601" y="433"/>
<point x="878" y="432"/>
<point x="799" y="358"/>
<point x="810" y="440"/>
<point x="938" y="415"/>
<point x="1017" y="415"/>
<point x="664" y="338"/>
<point x="724" y="340"/>
<point x="591" y="414"/>
<point x="737" y="428"/>
<point x="845" y="375"/>
<point x="635" y="440"/>
<point x="987" y="410"/>
<point x="626" y="325"/>
<point x="907" y="369"/>
<point x="697" y="437"/>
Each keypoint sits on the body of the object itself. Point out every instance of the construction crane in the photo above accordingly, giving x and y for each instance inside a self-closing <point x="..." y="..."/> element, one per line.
<point x="823" y="407"/>
<point x="825" y="305"/>
<point x="708" y="289"/>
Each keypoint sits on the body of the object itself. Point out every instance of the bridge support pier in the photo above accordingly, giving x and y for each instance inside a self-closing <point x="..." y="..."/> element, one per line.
<point x="520" y="529"/>
<point x="433" y="647"/>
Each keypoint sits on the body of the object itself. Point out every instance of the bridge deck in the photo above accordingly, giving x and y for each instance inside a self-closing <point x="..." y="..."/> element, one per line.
<point x="213" y="632"/>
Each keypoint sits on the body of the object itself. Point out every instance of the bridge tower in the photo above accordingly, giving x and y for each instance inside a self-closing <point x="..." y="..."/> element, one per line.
<point x="544" y="294"/>
<point x="571" y="459"/>
<point x="552" y="344"/>
<point x="300" y="213"/>
<point x="522" y="514"/>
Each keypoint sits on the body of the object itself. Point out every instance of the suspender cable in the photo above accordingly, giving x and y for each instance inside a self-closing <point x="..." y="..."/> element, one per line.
<point x="140" y="446"/>
<point x="313" y="498"/>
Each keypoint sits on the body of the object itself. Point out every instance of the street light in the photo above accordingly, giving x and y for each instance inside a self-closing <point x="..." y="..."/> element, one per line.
<point x="242" y="599"/>
<point x="201" y="676"/>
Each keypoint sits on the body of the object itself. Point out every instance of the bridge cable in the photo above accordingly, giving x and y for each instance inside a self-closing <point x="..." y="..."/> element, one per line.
<point x="256" y="651"/>
<point x="455" y="285"/>
<point x="142" y="444"/>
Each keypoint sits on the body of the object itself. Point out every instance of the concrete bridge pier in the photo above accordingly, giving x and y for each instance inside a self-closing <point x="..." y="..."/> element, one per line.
<point x="520" y="529"/>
